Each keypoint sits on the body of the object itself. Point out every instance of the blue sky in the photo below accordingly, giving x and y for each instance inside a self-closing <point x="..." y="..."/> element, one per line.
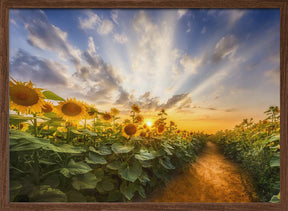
<point x="209" y="68"/>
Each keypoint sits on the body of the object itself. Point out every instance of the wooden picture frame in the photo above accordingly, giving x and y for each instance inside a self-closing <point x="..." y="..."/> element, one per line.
<point x="5" y="5"/>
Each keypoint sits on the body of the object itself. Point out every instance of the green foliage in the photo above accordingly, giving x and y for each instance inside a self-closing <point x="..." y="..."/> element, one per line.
<point x="256" y="146"/>
<point x="52" y="96"/>
<point x="109" y="170"/>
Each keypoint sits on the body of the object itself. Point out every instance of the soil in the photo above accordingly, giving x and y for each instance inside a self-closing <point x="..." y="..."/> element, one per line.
<point x="212" y="178"/>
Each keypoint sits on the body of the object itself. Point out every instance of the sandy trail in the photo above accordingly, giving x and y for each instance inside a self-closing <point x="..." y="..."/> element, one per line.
<point x="211" y="179"/>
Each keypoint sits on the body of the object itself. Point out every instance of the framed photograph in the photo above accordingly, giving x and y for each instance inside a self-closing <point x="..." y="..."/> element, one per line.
<point x="137" y="105"/>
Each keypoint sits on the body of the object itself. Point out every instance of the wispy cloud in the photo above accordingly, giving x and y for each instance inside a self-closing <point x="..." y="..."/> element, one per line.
<point x="181" y="13"/>
<point x="120" y="38"/>
<point x="92" y="21"/>
<point x="26" y="67"/>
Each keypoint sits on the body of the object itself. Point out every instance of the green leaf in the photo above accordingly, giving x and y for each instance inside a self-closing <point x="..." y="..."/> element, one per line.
<point x="86" y="181"/>
<point x="128" y="190"/>
<point x="275" y="160"/>
<point x="87" y="132"/>
<point x="115" y="165"/>
<point x="67" y="148"/>
<point x="52" y="96"/>
<point x="275" y="199"/>
<point x="15" y="185"/>
<point x="166" y="163"/>
<point x="22" y="141"/>
<point x="47" y="194"/>
<point x="99" y="173"/>
<point x="15" y="119"/>
<point x="76" y="196"/>
<point x="130" y="172"/>
<point x="276" y="186"/>
<point x="144" y="155"/>
<point x="105" y="185"/>
<point x="101" y="150"/>
<point x="95" y="159"/>
<point x="146" y="163"/>
<point x="120" y="148"/>
<point x="274" y="138"/>
<point x="114" y="196"/>
<point x="74" y="168"/>
<point x="144" y="177"/>
<point x="76" y="132"/>
<point x="46" y="162"/>
<point x="52" y="180"/>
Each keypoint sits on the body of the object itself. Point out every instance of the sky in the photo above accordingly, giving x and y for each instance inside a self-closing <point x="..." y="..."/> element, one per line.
<point x="208" y="68"/>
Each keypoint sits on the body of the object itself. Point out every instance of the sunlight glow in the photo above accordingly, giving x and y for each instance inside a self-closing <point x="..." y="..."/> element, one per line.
<point x="149" y="123"/>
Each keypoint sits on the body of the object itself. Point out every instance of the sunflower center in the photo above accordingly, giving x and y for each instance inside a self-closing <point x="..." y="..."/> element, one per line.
<point x="47" y="108"/>
<point x="107" y="116"/>
<point x="23" y="95"/>
<point x="161" y="128"/>
<point x="71" y="109"/>
<point x="130" y="129"/>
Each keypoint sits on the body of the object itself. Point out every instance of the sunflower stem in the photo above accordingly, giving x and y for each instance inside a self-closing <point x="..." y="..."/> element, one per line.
<point x="68" y="134"/>
<point x="35" y="124"/>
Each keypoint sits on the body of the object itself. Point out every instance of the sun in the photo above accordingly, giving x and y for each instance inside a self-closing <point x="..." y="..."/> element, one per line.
<point x="149" y="123"/>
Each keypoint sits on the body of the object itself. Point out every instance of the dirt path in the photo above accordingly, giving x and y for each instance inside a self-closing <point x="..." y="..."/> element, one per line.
<point x="211" y="179"/>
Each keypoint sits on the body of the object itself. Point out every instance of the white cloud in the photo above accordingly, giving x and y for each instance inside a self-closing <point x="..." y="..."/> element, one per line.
<point x="188" y="27"/>
<point x="181" y="13"/>
<point x="94" y="22"/>
<point x="190" y="64"/>
<point x="105" y="27"/>
<point x="46" y="36"/>
<point x="114" y="16"/>
<point x="90" y="22"/>
<point x="226" y="46"/>
<point x="25" y="67"/>
<point x="235" y="15"/>
<point x="91" y="46"/>
<point x="13" y="21"/>
<point x="120" y="38"/>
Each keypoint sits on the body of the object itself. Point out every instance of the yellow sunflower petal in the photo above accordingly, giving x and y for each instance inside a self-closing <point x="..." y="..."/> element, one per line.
<point x="71" y="110"/>
<point x="24" y="97"/>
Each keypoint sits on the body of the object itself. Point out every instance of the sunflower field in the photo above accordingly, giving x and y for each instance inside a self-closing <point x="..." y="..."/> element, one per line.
<point x="256" y="146"/>
<point x="68" y="151"/>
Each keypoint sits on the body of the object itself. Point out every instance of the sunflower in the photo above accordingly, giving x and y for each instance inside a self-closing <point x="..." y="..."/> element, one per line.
<point x="157" y="123"/>
<point x="12" y="127"/>
<point x="172" y="123"/>
<point x="129" y="130"/>
<point x="62" y="129"/>
<point x="145" y="126"/>
<point x="277" y="110"/>
<point x="71" y="110"/>
<point x="139" y="119"/>
<point x="135" y="108"/>
<point x="161" y="129"/>
<point x="126" y="121"/>
<point x="109" y="130"/>
<point x="107" y="117"/>
<point x="178" y="131"/>
<point x="47" y="107"/>
<point x="114" y="111"/>
<point x="91" y="111"/>
<point x="24" y="97"/>
<point x="143" y="134"/>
